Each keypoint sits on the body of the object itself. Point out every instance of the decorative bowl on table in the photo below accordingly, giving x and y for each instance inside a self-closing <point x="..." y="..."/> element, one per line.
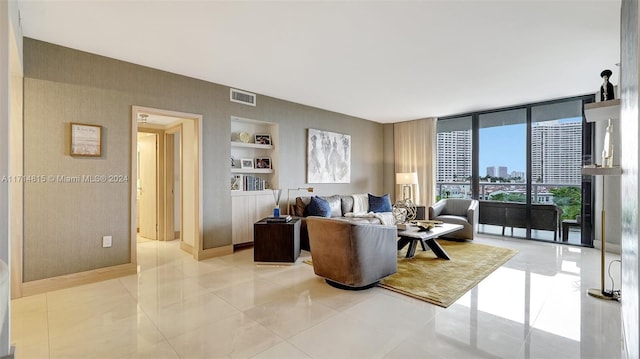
<point x="424" y="226"/>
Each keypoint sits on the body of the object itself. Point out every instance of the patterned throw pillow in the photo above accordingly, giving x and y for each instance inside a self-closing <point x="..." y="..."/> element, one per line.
<point x="319" y="207"/>
<point x="379" y="204"/>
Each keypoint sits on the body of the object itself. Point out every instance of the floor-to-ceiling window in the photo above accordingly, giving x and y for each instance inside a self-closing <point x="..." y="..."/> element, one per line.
<point x="454" y="158"/>
<point x="529" y="157"/>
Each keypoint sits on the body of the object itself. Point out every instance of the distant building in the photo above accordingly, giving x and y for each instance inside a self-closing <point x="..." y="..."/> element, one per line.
<point x="491" y="171"/>
<point x="453" y="156"/>
<point x="518" y="174"/>
<point x="502" y="172"/>
<point x="556" y="153"/>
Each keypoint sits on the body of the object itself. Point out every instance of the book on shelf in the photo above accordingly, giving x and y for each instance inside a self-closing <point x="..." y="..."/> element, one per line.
<point x="247" y="183"/>
<point x="281" y="219"/>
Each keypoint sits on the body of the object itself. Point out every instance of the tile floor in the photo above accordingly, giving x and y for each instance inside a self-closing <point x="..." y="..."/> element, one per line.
<point x="534" y="306"/>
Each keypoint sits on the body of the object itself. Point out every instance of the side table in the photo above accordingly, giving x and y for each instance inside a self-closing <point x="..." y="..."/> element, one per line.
<point x="566" y="223"/>
<point x="276" y="241"/>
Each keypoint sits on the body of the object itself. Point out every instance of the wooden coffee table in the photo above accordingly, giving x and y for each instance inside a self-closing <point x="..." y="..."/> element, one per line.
<point x="412" y="236"/>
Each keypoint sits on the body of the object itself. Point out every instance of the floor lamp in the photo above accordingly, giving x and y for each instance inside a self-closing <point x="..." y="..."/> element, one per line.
<point x="308" y="189"/>
<point x="602" y="293"/>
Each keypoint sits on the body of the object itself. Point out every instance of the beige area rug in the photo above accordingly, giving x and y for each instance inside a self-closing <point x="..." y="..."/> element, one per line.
<point x="440" y="281"/>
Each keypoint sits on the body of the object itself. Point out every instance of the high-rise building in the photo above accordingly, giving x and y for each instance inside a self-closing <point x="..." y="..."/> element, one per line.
<point x="502" y="172"/>
<point x="453" y="156"/>
<point x="518" y="174"/>
<point x="556" y="151"/>
<point x="491" y="171"/>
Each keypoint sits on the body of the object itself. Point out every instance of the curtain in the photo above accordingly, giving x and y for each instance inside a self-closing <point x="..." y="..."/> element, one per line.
<point x="414" y="145"/>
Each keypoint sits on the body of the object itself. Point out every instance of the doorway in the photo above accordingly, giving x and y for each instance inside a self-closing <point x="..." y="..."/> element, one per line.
<point x="165" y="201"/>
<point x="147" y="185"/>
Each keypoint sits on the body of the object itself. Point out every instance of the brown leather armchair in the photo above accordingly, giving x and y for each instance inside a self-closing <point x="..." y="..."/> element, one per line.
<point x="352" y="255"/>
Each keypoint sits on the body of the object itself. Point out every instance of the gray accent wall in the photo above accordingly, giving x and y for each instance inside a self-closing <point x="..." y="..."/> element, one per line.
<point x="64" y="222"/>
<point x="630" y="163"/>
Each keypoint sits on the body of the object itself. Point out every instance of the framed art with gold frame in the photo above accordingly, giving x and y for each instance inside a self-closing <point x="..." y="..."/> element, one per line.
<point x="86" y="140"/>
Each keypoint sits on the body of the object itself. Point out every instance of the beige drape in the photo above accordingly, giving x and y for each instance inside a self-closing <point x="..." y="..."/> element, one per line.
<point x="414" y="145"/>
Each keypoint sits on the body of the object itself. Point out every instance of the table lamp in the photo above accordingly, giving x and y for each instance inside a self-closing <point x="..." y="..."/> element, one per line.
<point x="407" y="179"/>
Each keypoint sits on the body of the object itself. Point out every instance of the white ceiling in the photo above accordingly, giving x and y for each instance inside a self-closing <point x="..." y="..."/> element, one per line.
<point x="383" y="61"/>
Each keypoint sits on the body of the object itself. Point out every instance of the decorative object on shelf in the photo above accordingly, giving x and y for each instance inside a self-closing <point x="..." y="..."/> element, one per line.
<point x="407" y="180"/>
<point x="276" y="197"/>
<point x="86" y="140"/>
<point x="246" y="163"/>
<point x="244" y="137"/>
<point x="607" y="146"/>
<point x="404" y="211"/>
<point x="308" y="189"/>
<point x="262" y="139"/>
<point x="328" y="157"/>
<point x="607" y="91"/>
<point x="236" y="183"/>
<point x="263" y="162"/>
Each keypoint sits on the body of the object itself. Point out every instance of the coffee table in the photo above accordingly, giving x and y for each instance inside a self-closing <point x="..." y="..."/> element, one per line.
<point x="412" y="236"/>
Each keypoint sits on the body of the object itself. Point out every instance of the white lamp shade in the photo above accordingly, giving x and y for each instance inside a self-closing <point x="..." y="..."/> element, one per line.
<point x="407" y="178"/>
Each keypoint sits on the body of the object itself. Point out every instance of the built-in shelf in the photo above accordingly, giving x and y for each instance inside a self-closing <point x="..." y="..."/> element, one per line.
<point x="251" y="170"/>
<point x="602" y="171"/>
<point x="251" y="145"/>
<point x="603" y="110"/>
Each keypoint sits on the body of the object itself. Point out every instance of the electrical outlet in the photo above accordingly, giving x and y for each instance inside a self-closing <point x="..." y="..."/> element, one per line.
<point x="106" y="241"/>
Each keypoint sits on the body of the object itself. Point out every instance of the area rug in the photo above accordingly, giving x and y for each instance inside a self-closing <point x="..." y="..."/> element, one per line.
<point x="440" y="281"/>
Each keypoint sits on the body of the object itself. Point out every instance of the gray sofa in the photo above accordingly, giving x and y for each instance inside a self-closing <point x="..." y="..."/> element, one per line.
<point x="352" y="255"/>
<point x="457" y="211"/>
<point x="340" y="205"/>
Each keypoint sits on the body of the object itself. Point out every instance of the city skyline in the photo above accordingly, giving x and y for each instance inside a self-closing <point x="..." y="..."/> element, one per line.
<point x="512" y="152"/>
<point x="556" y="152"/>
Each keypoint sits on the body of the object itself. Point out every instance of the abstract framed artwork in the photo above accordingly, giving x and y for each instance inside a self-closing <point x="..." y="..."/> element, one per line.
<point x="328" y="157"/>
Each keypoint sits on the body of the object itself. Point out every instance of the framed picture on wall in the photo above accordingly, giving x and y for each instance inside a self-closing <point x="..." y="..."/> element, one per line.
<point x="86" y="140"/>
<point x="328" y="157"/>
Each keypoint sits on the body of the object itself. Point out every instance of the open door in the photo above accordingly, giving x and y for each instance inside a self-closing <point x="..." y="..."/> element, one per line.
<point x="147" y="185"/>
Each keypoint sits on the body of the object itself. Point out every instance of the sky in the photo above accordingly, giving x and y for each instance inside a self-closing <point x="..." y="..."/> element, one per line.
<point x="506" y="146"/>
<point x="503" y="146"/>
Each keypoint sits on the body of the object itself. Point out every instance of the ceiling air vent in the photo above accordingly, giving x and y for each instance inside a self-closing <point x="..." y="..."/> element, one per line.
<point x="244" y="97"/>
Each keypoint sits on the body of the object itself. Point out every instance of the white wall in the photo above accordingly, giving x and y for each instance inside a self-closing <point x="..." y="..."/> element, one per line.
<point x="630" y="197"/>
<point x="10" y="122"/>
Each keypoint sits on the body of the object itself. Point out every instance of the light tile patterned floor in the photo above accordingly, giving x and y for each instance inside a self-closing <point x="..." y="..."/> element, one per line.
<point x="535" y="306"/>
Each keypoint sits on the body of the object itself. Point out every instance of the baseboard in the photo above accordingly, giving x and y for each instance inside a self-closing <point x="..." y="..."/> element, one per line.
<point x="75" y="279"/>
<point x="176" y="235"/>
<point x="610" y="247"/>
<point x="186" y="247"/>
<point x="215" y="252"/>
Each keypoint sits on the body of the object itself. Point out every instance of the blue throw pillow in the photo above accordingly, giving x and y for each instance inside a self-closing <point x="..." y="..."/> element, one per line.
<point x="379" y="204"/>
<point x="319" y="207"/>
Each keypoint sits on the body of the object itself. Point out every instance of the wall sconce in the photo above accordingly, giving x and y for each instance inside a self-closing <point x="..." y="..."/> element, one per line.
<point x="308" y="189"/>
<point x="407" y="179"/>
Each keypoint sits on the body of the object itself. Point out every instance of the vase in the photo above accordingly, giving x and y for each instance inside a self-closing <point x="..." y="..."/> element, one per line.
<point x="276" y="197"/>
